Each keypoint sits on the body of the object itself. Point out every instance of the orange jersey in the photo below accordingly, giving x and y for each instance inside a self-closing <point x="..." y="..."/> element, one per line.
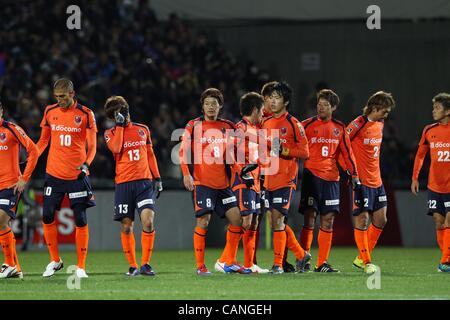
<point x="436" y="140"/>
<point x="247" y="148"/>
<point x="328" y="140"/>
<point x="133" y="151"/>
<point x="366" y="137"/>
<point x="292" y="136"/>
<point x="206" y="146"/>
<point x="69" y="131"/>
<point x="11" y="138"/>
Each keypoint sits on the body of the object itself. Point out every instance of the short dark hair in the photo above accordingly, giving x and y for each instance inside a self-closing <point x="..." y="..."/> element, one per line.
<point x="379" y="100"/>
<point x="63" y="83"/>
<point x="328" y="95"/>
<point x="267" y="88"/>
<point x="249" y="102"/>
<point x="283" y="89"/>
<point x="213" y="93"/>
<point x="114" y="104"/>
<point x="444" y="99"/>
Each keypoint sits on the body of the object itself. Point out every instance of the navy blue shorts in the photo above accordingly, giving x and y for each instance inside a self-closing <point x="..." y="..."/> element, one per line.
<point x="132" y="195"/>
<point x="79" y="192"/>
<point x="249" y="201"/>
<point x="318" y="194"/>
<point x="438" y="202"/>
<point x="9" y="202"/>
<point x="206" y="199"/>
<point x="280" y="199"/>
<point x="369" y="199"/>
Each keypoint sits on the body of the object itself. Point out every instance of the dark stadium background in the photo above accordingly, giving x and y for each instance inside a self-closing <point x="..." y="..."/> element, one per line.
<point x="161" y="55"/>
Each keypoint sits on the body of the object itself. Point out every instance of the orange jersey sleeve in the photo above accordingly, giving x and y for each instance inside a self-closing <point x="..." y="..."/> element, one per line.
<point x="327" y="142"/>
<point x="12" y="137"/>
<point x="207" y="151"/>
<point x="152" y="162"/>
<point x="68" y="129"/>
<point x="436" y="140"/>
<point x="366" y="139"/>
<point x="130" y="147"/>
<point x="281" y="172"/>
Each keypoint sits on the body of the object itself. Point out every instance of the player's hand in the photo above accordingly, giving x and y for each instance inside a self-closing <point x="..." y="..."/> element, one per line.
<point x="158" y="187"/>
<point x="188" y="182"/>
<point x="356" y="184"/>
<point x="84" y="169"/>
<point x="19" y="186"/>
<point x="415" y="187"/>
<point x="119" y="118"/>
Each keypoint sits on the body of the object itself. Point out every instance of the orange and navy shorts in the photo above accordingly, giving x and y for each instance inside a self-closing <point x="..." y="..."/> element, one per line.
<point x="369" y="199"/>
<point x="207" y="199"/>
<point x="438" y="202"/>
<point x="9" y="202"/>
<point x="280" y="199"/>
<point x="249" y="201"/>
<point x="321" y="195"/>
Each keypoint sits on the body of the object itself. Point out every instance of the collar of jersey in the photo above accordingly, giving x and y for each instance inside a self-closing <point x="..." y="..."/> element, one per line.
<point x="74" y="104"/>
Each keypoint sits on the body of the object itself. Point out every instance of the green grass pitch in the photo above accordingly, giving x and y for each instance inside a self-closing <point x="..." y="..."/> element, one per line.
<point x="405" y="274"/>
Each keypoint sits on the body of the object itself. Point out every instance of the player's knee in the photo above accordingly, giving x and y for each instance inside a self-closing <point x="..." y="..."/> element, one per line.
<point x="203" y="222"/>
<point x="147" y="226"/>
<point x="4" y="220"/>
<point x="80" y="216"/>
<point x="126" y="226"/>
<point x="246" y="224"/>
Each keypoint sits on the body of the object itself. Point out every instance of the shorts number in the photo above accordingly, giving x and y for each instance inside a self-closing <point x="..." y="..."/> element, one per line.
<point x="432" y="204"/>
<point x="66" y="140"/>
<point x="324" y="151"/>
<point x="134" y="155"/>
<point x="208" y="202"/>
<point x="253" y="204"/>
<point x="375" y="151"/>
<point x="48" y="191"/>
<point x="366" y="202"/>
<point x="123" y="208"/>
<point x="443" y="156"/>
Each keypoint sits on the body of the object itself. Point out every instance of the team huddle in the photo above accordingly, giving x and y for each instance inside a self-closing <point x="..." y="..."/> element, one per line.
<point x="239" y="171"/>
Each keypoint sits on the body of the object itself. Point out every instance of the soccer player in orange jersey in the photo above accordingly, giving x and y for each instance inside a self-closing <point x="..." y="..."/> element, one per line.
<point x="287" y="140"/>
<point x="72" y="132"/>
<point x="366" y="135"/>
<point x="138" y="182"/>
<point x="320" y="181"/>
<point x="12" y="183"/>
<point x="248" y="197"/>
<point x="207" y="148"/>
<point x="266" y="90"/>
<point x="436" y="140"/>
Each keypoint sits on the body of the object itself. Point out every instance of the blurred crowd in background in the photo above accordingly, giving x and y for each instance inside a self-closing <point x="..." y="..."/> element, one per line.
<point x="161" y="68"/>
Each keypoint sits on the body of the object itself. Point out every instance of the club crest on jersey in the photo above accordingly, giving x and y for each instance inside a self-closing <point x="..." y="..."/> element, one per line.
<point x="78" y="120"/>
<point x="336" y="132"/>
<point x="349" y="130"/>
<point x="283" y="131"/>
<point x="141" y="133"/>
<point x="2" y="137"/>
